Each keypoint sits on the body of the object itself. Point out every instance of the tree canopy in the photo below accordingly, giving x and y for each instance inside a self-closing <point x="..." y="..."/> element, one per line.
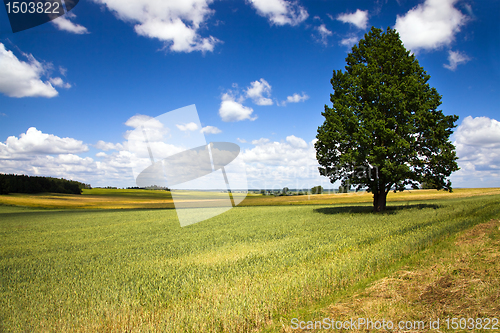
<point x="384" y="130"/>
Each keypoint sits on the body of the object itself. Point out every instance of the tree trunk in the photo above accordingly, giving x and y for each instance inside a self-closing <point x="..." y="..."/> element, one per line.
<point x="379" y="201"/>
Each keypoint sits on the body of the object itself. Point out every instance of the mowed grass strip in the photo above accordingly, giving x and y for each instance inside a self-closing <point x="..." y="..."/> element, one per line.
<point x="242" y="271"/>
<point x="151" y="199"/>
<point x="457" y="278"/>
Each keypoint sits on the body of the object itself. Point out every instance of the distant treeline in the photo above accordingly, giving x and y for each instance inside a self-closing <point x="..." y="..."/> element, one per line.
<point x="152" y="187"/>
<point x="35" y="184"/>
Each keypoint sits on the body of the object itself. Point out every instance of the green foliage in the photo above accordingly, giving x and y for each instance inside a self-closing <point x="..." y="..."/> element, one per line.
<point x="317" y="190"/>
<point x="137" y="270"/>
<point x="4" y="185"/>
<point x="428" y="185"/>
<point x="344" y="189"/>
<point x="384" y="130"/>
<point x="35" y="184"/>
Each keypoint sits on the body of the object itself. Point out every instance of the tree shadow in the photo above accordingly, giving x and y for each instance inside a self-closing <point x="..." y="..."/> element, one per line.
<point x="368" y="209"/>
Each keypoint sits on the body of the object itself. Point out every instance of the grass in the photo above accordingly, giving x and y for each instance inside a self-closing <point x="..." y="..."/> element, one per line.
<point x="249" y="269"/>
<point x="135" y="199"/>
<point x="455" y="278"/>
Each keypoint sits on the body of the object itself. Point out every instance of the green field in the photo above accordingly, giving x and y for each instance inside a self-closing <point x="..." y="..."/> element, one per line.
<point x="140" y="199"/>
<point x="246" y="270"/>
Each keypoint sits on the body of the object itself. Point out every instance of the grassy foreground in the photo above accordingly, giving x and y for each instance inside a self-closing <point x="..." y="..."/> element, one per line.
<point x="456" y="278"/>
<point x="249" y="269"/>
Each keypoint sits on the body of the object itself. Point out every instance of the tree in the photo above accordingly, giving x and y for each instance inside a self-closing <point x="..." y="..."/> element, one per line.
<point x="317" y="190"/>
<point x="285" y="190"/>
<point x="427" y="186"/>
<point x="4" y="184"/>
<point x="344" y="188"/>
<point x="384" y="130"/>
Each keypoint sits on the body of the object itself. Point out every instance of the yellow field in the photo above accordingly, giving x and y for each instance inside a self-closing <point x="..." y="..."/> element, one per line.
<point x="133" y="199"/>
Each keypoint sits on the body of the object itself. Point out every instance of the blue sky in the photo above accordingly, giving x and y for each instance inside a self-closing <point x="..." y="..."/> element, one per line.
<point x="257" y="71"/>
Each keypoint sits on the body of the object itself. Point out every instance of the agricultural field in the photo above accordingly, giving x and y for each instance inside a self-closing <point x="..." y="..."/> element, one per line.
<point x="250" y="269"/>
<point x="135" y="199"/>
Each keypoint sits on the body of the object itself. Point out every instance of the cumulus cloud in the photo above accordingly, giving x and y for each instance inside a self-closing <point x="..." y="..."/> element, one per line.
<point x="188" y="127"/>
<point x="296" y="142"/>
<point x="290" y="163"/>
<point x="241" y="140"/>
<point x="36" y="142"/>
<point x="177" y="23"/>
<point x="58" y="82"/>
<point x="210" y="130"/>
<point x="455" y="58"/>
<point x="280" y="12"/>
<point x="230" y="110"/>
<point x="430" y="25"/>
<point x="349" y="41"/>
<point x="260" y="141"/>
<point x="69" y="166"/>
<point x="37" y="153"/>
<point x="23" y="79"/>
<point x="140" y="119"/>
<point x="256" y="91"/>
<point x="323" y="34"/>
<point x="477" y="142"/>
<point x="295" y="98"/>
<point x="358" y="18"/>
<point x="64" y="23"/>
<point x="106" y="146"/>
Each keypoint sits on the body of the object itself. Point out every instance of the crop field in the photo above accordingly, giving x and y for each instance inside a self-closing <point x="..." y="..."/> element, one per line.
<point x="135" y="199"/>
<point x="249" y="269"/>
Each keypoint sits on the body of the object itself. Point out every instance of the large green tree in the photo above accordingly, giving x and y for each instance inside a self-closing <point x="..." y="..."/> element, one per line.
<point x="384" y="130"/>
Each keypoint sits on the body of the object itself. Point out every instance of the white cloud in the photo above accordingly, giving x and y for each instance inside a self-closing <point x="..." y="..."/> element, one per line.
<point x="188" y="127"/>
<point x="260" y="141"/>
<point x="154" y="129"/>
<point x="49" y="155"/>
<point x="36" y="142"/>
<point x="58" y="82"/>
<point x="231" y="110"/>
<point x="210" y="130"/>
<point x="358" y="18"/>
<point x="296" y="142"/>
<point x="174" y="22"/>
<point x="256" y="91"/>
<point x="349" y="41"/>
<point x="455" y="59"/>
<point x="106" y="146"/>
<point x="140" y="119"/>
<point x="477" y="142"/>
<point x="111" y="170"/>
<point x="323" y="34"/>
<point x="295" y="98"/>
<point x="430" y="25"/>
<point x="23" y="79"/>
<point x="274" y="165"/>
<point x="280" y="12"/>
<point x="63" y="23"/>
<point x="241" y="140"/>
<point x="479" y="131"/>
